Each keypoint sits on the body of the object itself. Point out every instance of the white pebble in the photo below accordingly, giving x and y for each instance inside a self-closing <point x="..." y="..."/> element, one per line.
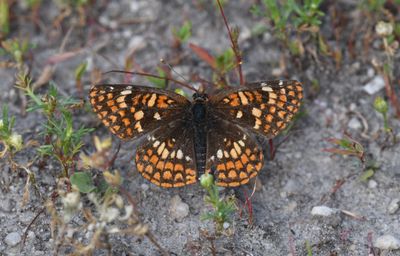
<point x="387" y="242"/>
<point x="372" y="184"/>
<point x="178" y="209"/>
<point x="226" y="225"/>
<point x="12" y="239"/>
<point x="375" y="85"/>
<point x="393" y="206"/>
<point x="354" y="123"/>
<point x="144" y="187"/>
<point x="322" y="211"/>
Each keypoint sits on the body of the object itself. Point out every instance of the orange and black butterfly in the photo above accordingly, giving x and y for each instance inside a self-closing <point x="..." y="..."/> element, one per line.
<point x="209" y="134"/>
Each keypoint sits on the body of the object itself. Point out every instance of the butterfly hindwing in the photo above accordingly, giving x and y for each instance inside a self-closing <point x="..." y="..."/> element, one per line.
<point x="265" y="107"/>
<point x="233" y="156"/>
<point x="167" y="158"/>
<point x="130" y="111"/>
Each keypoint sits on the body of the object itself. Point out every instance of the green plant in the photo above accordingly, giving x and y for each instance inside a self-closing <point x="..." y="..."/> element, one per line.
<point x="16" y="48"/>
<point x="381" y="107"/>
<point x="223" y="207"/>
<point x="62" y="140"/>
<point x="347" y="146"/>
<point x="4" y="18"/>
<point x="11" y="141"/>
<point x="288" y="15"/>
<point x="160" y="82"/>
<point x="183" y="33"/>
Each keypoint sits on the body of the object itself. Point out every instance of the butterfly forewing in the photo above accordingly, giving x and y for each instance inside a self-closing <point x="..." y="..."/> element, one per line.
<point x="233" y="156"/>
<point x="264" y="107"/>
<point x="167" y="158"/>
<point x="130" y="111"/>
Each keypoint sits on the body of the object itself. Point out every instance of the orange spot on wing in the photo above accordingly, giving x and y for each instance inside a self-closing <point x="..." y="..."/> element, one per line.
<point x="126" y="121"/>
<point x="154" y="159"/>
<point x="238" y="165"/>
<point x="244" y="159"/>
<point x="166" y="185"/>
<point x="167" y="175"/>
<point x="178" y="167"/>
<point x="243" y="175"/>
<point x="221" y="167"/>
<point x="114" y="108"/>
<point x="169" y="166"/>
<point x="110" y="103"/>
<point x="140" y="167"/>
<point x="230" y="165"/>
<point x="232" y="174"/>
<point x="149" y="169"/>
<point x="161" y="101"/>
<point x="178" y="177"/>
<point x="157" y="176"/>
<point x="160" y="165"/>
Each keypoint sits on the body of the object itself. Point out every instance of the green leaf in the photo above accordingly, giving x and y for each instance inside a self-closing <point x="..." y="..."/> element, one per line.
<point x="367" y="174"/>
<point x="80" y="70"/>
<point x="158" y="82"/>
<point x="83" y="181"/>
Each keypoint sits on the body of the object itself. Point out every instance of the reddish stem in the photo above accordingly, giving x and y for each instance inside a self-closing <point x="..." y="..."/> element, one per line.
<point x="234" y="45"/>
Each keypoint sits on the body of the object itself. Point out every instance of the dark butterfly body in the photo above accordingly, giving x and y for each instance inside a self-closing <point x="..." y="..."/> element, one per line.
<point x="209" y="134"/>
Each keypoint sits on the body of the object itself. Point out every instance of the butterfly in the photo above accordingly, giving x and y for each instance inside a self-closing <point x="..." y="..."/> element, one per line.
<point x="209" y="134"/>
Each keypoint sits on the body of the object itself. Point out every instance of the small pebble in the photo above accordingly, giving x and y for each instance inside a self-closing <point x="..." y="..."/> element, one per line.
<point x="144" y="187"/>
<point x="137" y="43"/>
<point x="322" y="211"/>
<point x="12" y="239"/>
<point x="387" y="242"/>
<point x="375" y="85"/>
<point x="372" y="184"/>
<point x="394" y="206"/>
<point x="354" y="124"/>
<point x="226" y="225"/>
<point x="178" y="209"/>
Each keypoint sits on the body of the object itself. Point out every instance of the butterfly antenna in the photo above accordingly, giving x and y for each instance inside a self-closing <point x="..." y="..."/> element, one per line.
<point x="173" y="70"/>
<point x="151" y="75"/>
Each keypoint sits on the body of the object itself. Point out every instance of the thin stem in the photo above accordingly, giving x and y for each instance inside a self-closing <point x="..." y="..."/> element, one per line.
<point x="235" y="47"/>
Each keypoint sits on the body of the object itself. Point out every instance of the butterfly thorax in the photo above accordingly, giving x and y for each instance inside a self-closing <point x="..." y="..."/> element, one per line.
<point x="199" y="121"/>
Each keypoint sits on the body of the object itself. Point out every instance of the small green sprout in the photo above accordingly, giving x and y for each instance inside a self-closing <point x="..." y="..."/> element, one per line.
<point x="83" y="182"/>
<point x="348" y="146"/>
<point x="17" y="49"/>
<point x="381" y="106"/>
<point x="308" y="248"/>
<point x="223" y="208"/>
<point x="184" y="33"/>
<point x="4" y="17"/>
<point x="11" y="141"/>
<point x="159" y="82"/>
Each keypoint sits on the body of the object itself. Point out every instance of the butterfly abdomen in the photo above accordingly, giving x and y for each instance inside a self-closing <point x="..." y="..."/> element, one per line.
<point x="200" y="134"/>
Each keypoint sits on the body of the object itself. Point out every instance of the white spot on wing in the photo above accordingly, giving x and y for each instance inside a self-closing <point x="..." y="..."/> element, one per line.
<point x="239" y="114"/>
<point x="179" y="154"/>
<point x="188" y="158"/>
<point x="256" y="112"/>
<point x="126" y="92"/>
<point x="280" y="82"/>
<point x="243" y="98"/>
<point x="157" y="116"/>
<point x="156" y="143"/>
<point x="220" y="154"/>
<point x="266" y="89"/>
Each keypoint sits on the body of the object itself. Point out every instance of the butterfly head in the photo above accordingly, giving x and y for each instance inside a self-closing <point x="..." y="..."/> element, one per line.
<point x="200" y="97"/>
